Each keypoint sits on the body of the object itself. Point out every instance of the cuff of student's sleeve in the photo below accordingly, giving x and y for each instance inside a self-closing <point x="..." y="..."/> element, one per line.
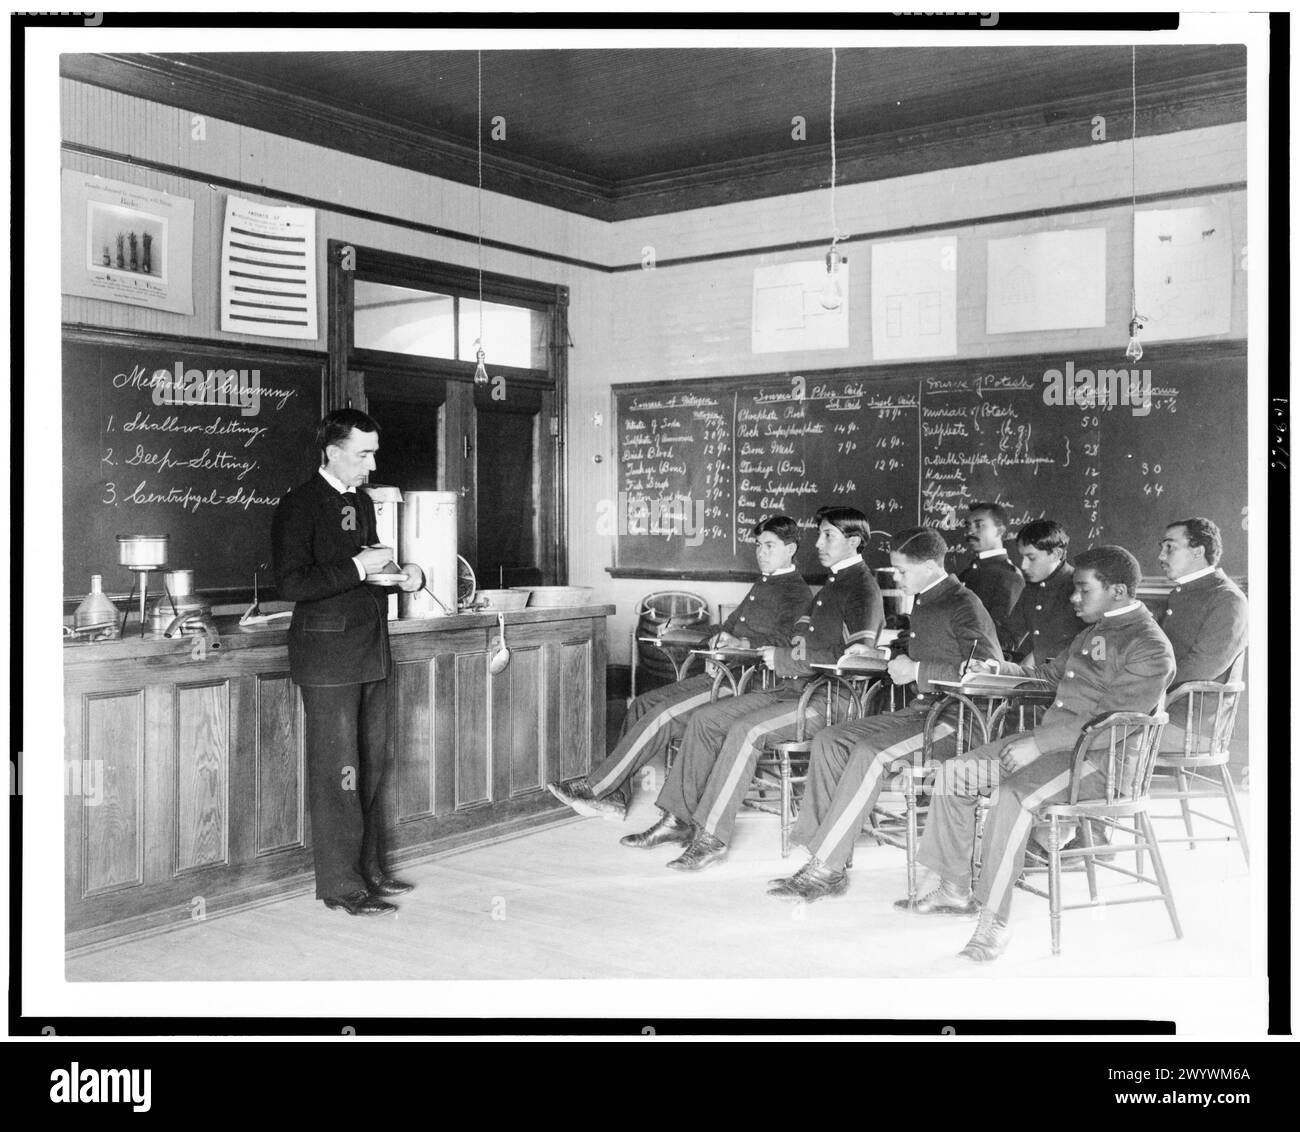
<point x="361" y="570"/>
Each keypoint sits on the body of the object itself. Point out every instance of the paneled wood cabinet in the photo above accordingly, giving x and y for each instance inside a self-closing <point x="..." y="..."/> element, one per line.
<point x="185" y="773"/>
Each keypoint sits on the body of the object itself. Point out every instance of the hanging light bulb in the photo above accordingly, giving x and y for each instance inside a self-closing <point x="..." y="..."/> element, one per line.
<point x="832" y="294"/>
<point x="481" y="373"/>
<point x="1134" y="351"/>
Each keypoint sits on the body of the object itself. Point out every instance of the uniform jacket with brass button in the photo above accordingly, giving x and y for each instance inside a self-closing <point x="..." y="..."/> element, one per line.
<point x="946" y="622"/>
<point x="996" y="581"/>
<point x="1121" y="663"/>
<point x="847" y="610"/>
<point x="1206" y="622"/>
<point x="768" y="613"/>
<point x="1043" y="621"/>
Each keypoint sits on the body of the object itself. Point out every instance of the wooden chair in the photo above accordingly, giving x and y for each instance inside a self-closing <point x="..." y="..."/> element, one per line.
<point x="1209" y="711"/>
<point x="955" y="713"/>
<point x="1123" y="745"/>
<point x="782" y="767"/>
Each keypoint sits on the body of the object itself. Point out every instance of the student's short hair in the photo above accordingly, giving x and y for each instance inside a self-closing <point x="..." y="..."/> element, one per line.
<point x="1044" y="534"/>
<point x="849" y="521"/>
<point x="996" y="511"/>
<point x="1202" y="532"/>
<point x="784" y="527"/>
<point x="1112" y="565"/>
<point x="338" y="427"/>
<point x="920" y="544"/>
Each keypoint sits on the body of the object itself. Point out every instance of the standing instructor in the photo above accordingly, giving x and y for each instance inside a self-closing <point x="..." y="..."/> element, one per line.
<point x="322" y="543"/>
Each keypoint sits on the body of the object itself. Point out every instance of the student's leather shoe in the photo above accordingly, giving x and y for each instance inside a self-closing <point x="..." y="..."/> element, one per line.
<point x="388" y="886"/>
<point x="360" y="904"/>
<point x="669" y="829"/>
<point x="989" y="941"/>
<point x="703" y="851"/>
<point x="578" y="796"/>
<point x="940" y="901"/>
<point x="812" y="882"/>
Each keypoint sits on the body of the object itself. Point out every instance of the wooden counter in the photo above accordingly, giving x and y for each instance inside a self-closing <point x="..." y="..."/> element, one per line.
<point x="185" y="774"/>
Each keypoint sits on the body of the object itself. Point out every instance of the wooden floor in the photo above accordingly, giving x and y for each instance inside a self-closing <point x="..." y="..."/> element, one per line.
<point x="568" y="902"/>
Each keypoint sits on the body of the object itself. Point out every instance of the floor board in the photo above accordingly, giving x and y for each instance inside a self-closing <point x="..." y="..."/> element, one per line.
<point x="568" y="902"/>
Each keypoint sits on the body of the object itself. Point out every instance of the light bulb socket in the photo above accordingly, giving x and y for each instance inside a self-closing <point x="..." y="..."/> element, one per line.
<point x="833" y="260"/>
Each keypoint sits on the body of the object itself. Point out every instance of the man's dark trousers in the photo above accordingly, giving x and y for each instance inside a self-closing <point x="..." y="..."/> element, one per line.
<point x="346" y="739"/>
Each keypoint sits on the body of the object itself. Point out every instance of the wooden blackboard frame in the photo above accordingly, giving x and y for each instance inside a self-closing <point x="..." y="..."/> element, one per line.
<point x="1171" y="353"/>
<point x="255" y="354"/>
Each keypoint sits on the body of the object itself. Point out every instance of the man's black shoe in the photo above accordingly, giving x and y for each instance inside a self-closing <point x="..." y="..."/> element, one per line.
<point x="669" y="829"/>
<point x="360" y="904"/>
<point x="389" y="886"/>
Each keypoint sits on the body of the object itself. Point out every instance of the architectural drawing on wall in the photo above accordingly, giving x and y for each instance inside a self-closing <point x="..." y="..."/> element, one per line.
<point x="914" y="299"/>
<point x="788" y="314"/>
<point x="268" y="270"/>
<point x="1182" y="271"/>
<point x="1047" y="281"/>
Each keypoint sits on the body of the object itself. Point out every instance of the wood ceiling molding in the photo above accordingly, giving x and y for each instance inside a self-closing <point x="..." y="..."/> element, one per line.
<point x="1168" y="105"/>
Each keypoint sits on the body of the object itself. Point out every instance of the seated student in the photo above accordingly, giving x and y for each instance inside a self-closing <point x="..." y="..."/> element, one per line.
<point x="1042" y="623"/>
<point x="766" y="616"/>
<point x="991" y="577"/>
<point x="848" y="764"/>
<point x="1120" y="662"/>
<point x="703" y="793"/>
<point x="1205" y="617"/>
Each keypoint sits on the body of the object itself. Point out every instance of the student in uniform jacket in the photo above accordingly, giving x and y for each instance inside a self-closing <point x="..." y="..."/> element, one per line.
<point x="1120" y="662"/>
<point x="848" y="764"/>
<point x="991" y="576"/>
<point x="322" y="540"/>
<point x="1042" y="623"/>
<point x="1205" y="617"/>
<point x="765" y="617"/>
<point x="703" y="793"/>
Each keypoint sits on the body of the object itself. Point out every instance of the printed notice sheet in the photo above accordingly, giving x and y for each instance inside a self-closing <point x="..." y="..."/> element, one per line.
<point x="268" y="270"/>
<point x="1047" y="281"/>
<point x="1182" y="272"/>
<point x="788" y="314"/>
<point x="127" y="244"/>
<point x="914" y="299"/>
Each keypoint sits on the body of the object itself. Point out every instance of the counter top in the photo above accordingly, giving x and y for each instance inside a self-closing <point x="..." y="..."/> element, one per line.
<point x="235" y="637"/>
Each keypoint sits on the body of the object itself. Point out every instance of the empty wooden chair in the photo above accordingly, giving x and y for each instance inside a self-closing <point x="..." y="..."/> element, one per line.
<point x="1204" y="715"/>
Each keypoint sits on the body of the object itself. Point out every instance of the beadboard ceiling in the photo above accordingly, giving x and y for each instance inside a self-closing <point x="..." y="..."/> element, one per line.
<point x="621" y="133"/>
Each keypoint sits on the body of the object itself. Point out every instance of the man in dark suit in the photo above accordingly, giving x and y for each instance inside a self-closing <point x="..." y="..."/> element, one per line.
<point x="322" y="546"/>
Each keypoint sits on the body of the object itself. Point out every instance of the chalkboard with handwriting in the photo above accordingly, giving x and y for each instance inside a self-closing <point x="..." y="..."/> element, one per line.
<point x="195" y="441"/>
<point x="1110" y="450"/>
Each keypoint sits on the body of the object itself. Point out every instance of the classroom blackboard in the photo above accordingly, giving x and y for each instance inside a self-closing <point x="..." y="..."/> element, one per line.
<point x="195" y="441"/>
<point x="1109" y="449"/>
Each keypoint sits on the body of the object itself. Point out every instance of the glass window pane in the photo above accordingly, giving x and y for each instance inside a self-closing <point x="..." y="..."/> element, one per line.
<point x="403" y="320"/>
<point x="512" y="336"/>
<point x="507" y="499"/>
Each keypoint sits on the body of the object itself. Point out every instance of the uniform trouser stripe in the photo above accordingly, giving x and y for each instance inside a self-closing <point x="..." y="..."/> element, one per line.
<point x="1011" y="852"/>
<point x="855" y="810"/>
<point x="646" y="730"/>
<point x="739" y="767"/>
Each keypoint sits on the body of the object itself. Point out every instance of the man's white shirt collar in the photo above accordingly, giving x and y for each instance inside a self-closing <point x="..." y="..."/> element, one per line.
<point x="1132" y="605"/>
<point x="1194" y="575"/>
<point x="845" y="563"/>
<point x="940" y="578"/>
<point x="337" y="484"/>
<point x="993" y="553"/>
<point x="778" y="573"/>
